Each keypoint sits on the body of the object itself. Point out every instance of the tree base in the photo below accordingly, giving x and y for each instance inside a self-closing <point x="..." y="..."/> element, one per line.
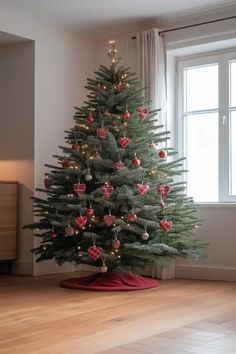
<point x="111" y="281"/>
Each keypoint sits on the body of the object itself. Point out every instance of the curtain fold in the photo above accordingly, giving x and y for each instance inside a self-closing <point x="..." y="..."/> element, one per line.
<point x="151" y="57"/>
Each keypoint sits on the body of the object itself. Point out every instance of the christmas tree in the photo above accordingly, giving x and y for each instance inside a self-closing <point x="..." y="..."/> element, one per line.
<point x="113" y="199"/>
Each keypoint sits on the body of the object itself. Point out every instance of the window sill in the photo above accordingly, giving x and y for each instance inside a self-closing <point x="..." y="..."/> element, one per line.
<point x="216" y="205"/>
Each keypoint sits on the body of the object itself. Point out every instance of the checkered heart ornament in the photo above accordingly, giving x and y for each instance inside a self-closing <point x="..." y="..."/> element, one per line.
<point x="109" y="219"/>
<point x="102" y="133"/>
<point x="166" y="225"/>
<point x="95" y="252"/>
<point x="107" y="190"/>
<point x="142" y="112"/>
<point x="79" y="188"/>
<point x="81" y="221"/>
<point x="119" y="165"/>
<point x="124" y="141"/>
<point x="142" y="189"/>
<point x="163" y="190"/>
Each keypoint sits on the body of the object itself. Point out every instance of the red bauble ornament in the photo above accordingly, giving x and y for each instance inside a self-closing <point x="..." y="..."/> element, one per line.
<point x="95" y="252"/>
<point x="142" y="189"/>
<point x="102" y="133"/>
<point x="163" y="154"/>
<point x="109" y="219"/>
<point x="53" y="235"/>
<point x="165" y="225"/>
<point x="79" y="188"/>
<point x="163" y="190"/>
<point x="126" y="115"/>
<point x="119" y="165"/>
<point x="124" y="141"/>
<point x="90" y="119"/>
<point x="90" y="211"/>
<point x="48" y="182"/>
<point x="70" y="231"/>
<point x="142" y="112"/>
<point x="132" y="217"/>
<point x="115" y="244"/>
<point x="81" y="221"/>
<point x="66" y="163"/>
<point x="76" y="147"/>
<point x="136" y="161"/>
<point x="107" y="190"/>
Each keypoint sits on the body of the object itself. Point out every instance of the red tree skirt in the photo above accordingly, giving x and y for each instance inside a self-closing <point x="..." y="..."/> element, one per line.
<point x="111" y="281"/>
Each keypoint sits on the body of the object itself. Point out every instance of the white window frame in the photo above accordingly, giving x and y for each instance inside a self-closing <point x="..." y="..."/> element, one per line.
<point x="222" y="59"/>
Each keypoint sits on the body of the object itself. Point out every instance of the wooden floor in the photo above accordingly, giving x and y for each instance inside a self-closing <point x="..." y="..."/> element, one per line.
<point x="179" y="317"/>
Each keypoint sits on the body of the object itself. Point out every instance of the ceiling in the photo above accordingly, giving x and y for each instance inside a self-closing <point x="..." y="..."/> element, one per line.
<point x="94" y="17"/>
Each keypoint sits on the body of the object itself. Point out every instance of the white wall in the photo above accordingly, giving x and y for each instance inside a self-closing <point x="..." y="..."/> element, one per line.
<point x="63" y="61"/>
<point x="17" y="132"/>
<point x="218" y="228"/>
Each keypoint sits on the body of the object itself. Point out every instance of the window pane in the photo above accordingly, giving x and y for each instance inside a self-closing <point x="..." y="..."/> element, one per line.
<point x="202" y="156"/>
<point x="201" y="87"/>
<point x="233" y="153"/>
<point x="232" y="83"/>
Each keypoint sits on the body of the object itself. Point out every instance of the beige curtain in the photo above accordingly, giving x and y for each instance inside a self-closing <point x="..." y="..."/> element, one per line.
<point x="151" y="55"/>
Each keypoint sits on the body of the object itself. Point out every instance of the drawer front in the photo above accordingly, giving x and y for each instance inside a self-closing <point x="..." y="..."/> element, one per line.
<point x="8" y="218"/>
<point x="8" y="195"/>
<point x="7" y="245"/>
<point x="8" y="205"/>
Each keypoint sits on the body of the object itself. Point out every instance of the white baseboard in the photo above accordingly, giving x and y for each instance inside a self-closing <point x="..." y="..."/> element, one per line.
<point x="159" y="273"/>
<point x="51" y="267"/>
<point x="205" y="273"/>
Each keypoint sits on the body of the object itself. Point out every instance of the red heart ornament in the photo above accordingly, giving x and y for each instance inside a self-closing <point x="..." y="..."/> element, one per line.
<point x="142" y="112"/>
<point x="119" y="165"/>
<point x="79" y="188"/>
<point x="76" y="147"/>
<point x="166" y="225"/>
<point x="66" y="163"/>
<point x="109" y="219"/>
<point x="53" y="235"/>
<point x="163" y="190"/>
<point x="48" y="182"/>
<point x="70" y="231"/>
<point x="116" y="244"/>
<point x="142" y="189"/>
<point x="124" y="141"/>
<point x="107" y="190"/>
<point x="94" y="252"/>
<point x="81" y="221"/>
<point x="120" y="87"/>
<point x="102" y="133"/>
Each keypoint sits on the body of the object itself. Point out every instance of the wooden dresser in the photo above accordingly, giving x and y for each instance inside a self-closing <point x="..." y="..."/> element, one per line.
<point x="8" y="221"/>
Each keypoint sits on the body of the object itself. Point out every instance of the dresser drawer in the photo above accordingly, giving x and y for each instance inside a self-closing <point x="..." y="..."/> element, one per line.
<point x="8" y="220"/>
<point x="7" y="245"/>
<point x="8" y="195"/>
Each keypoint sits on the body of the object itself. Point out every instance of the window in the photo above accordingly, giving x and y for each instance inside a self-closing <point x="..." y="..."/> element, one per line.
<point x="207" y="126"/>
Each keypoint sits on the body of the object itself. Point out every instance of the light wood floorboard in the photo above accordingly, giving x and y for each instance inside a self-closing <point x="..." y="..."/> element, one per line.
<point x="180" y="316"/>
